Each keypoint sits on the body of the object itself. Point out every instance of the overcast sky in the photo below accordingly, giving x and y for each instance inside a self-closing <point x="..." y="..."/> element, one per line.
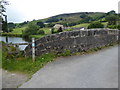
<point x="23" y="10"/>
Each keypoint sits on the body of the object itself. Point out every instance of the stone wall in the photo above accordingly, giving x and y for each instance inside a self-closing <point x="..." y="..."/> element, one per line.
<point x="75" y="41"/>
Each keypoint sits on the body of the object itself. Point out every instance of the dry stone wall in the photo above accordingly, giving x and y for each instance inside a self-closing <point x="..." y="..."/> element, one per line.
<point x="75" y="41"/>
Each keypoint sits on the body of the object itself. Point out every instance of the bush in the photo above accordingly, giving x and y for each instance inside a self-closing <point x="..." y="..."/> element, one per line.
<point x="52" y="31"/>
<point x="41" y="32"/>
<point x="10" y="29"/>
<point x="50" y="25"/>
<point x="30" y="30"/>
<point x="96" y="25"/>
<point x="112" y="26"/>
<point x="40" y="24"/>
<point x="118" y="27"/>
<point x="66" y="53"/>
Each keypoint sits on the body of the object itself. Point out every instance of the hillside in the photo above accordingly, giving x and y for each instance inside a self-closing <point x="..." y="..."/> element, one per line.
<point x="73" y="20"/>
<point x="69" y="19"/>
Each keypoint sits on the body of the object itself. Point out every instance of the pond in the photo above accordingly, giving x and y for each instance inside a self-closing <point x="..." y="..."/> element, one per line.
<point x="15" y="40"/>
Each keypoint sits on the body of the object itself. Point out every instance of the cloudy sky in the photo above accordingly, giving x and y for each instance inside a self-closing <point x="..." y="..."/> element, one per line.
<point x="23" y="10"/>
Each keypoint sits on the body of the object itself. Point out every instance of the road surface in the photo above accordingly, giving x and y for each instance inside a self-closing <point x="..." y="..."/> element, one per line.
<point x="98" y="70"/>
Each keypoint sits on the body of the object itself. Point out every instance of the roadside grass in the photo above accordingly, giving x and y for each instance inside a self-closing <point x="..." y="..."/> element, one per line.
<point x="26" y="65"/>
<point x="19" y="63"/>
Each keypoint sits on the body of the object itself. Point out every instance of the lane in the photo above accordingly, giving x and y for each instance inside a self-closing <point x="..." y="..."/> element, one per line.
<point x="98" y="70"/>
<point x="11" y="79"/>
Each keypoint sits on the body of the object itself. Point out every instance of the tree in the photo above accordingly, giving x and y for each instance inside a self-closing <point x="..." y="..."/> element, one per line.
<point x="111" y="12"/>
<point x="11" y="25"/>
<point x="32" y="29"/>
<point x="96" y="25"/>
<point x="50" y="25"/>
<point x="41" y="32"/>
<point x="2" y="11"/>
<point x="23" y="23"/>
<point x="2" y="6"/>
<point x="53" y="19"/>
<point x="52" y="31"/>
<point x="112" y="19"/>
<point x="118" y="27"/>
<point x="40" y="24"/>
<point x="83" y="16"/>
<point x="4" y="26"/>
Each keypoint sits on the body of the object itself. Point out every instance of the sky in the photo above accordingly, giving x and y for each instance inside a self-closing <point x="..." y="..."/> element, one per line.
<point x="27" y="10"/>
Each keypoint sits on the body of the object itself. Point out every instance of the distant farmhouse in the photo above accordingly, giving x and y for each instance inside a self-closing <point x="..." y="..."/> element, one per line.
<point x="58" y="26"/>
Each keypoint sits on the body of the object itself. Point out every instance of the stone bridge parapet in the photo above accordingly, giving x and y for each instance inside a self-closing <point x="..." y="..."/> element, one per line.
<point x="75" y="41"/>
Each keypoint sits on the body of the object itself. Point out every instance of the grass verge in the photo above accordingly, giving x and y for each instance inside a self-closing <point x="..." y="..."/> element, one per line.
<point x="19" y="63"/>
<point x="25" y="65"/>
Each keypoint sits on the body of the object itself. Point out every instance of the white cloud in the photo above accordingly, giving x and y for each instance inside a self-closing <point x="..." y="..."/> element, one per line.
<point x="22" y="10"/>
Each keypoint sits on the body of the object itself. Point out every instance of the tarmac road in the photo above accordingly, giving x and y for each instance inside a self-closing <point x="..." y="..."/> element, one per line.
<point x="98" y="70"/>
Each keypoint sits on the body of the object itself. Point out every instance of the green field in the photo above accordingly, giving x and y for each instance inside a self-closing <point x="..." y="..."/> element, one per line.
<point x="86" y="25"/>
<point x="46" y="30"/>
<point x="82" y="25"/>
<point x="18" y="30"/>
<point x="36" y="36"/>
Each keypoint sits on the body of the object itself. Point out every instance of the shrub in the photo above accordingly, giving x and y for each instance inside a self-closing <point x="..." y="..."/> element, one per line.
<point x="118" y="27"/>
<point x="10" y="29"/>
<point x="50" y="25"/>
<point x="40" y="24"/>
<point x="30" y="30"/>
<point x="96" y="25"/>
<point x="112" y="26"/>
<point x="66" y="53"/>
<point x="41" y="32"/>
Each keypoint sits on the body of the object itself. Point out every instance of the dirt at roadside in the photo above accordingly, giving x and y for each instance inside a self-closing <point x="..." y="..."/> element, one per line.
<point x="12" y="80"/>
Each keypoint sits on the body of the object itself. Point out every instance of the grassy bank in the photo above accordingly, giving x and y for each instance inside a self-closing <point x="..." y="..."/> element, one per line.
<point x="18" y="63"/>
<point x="11" y="34"/>
<point x="25" y="65"/>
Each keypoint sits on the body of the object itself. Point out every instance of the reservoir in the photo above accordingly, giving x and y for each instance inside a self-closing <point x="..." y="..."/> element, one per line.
<point x="15" y="40"/>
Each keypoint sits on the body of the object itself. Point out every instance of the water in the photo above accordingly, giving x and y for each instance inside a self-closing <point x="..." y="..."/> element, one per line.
<point x="15" y="40"/>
